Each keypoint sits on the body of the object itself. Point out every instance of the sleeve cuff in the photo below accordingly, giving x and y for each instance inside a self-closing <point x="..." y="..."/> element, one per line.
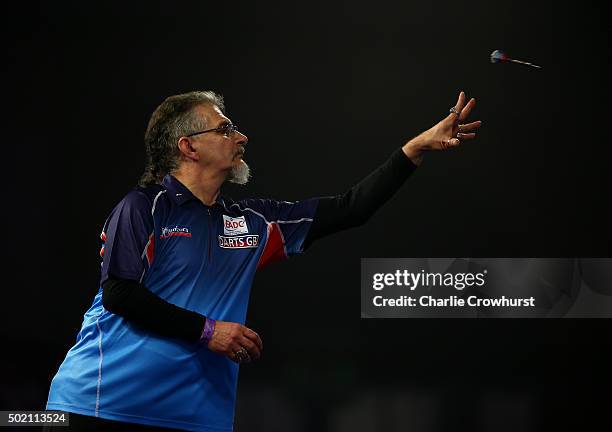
<point x="399" y="159"/>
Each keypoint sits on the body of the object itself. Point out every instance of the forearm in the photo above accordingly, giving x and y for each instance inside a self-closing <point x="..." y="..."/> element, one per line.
<point x="134" y="302"/>
<point x="359" y="203"/>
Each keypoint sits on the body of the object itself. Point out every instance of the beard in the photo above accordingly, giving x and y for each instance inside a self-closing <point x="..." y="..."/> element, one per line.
<point x="240" y="174"/>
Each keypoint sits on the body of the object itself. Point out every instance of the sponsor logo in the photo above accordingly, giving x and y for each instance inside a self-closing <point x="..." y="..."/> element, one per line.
<point x="242" y="242"/>
<point x="234" y="226"/>
<point x="175" y="231"/>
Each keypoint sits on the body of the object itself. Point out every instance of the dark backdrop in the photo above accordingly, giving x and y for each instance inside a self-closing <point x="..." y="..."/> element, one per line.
<point x="325" y="92"/>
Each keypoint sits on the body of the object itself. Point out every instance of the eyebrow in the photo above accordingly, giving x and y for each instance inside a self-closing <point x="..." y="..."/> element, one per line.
<point x="223" y="123"/>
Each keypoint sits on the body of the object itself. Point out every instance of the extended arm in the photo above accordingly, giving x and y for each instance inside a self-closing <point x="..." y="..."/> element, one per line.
<point x="359" y="203"/>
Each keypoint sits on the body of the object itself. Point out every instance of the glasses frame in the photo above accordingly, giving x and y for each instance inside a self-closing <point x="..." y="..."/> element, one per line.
<point x="227" y="129"/>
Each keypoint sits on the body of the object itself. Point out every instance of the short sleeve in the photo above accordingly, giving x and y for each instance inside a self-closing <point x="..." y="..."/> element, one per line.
<point x="127" y="238"/>
<point x="287" y="226"/>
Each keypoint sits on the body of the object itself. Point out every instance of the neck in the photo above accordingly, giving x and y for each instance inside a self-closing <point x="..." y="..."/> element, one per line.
<point x="204" y="185"/>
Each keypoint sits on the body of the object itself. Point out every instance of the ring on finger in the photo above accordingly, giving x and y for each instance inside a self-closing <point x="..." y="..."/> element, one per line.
<point x="242" y="355"/>
<point x="454" y="110"/>
<point x="239" y="356"/>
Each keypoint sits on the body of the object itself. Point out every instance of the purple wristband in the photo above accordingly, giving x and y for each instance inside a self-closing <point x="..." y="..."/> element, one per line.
<point x="207" y="332"/>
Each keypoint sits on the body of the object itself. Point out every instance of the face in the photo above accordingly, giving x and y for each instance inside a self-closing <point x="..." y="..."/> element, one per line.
<point x="217" y="150"/>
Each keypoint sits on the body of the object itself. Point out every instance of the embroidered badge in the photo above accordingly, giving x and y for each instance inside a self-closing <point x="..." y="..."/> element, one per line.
<point x="234" y="226"/>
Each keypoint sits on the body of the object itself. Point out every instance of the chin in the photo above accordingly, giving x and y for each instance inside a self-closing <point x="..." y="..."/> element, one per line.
<point x="240" y="173"/>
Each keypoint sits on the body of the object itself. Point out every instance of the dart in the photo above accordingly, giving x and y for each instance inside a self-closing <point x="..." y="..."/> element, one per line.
<point x="500" y="56"/>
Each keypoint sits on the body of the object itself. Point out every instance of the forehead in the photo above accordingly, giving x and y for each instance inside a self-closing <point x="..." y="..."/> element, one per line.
<point x="212" y="115"/>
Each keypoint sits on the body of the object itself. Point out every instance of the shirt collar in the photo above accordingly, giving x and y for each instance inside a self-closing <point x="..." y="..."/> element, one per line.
<point x="179" y="192"/>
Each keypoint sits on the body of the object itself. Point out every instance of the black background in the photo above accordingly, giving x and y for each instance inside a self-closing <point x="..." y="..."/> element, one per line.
<point x="326" y="92"/>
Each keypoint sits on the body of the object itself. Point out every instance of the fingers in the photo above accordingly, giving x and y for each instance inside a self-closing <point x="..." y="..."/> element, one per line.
<point x="247" y="346"/>
<point x="461" y="107"/>
<point x="449" y="132"/>
<point x="251" y="347"/>
<point x="470" y="126"/>
<point x="460" y="101"/>
<point x="252" y="342"/>
<point x="453" y="142"/>
<point x="466" y="135"/>
<point x="240" y="355"/>
<point x="237" y="342"/>
<point x="456" y="141"/>
<point x="467" y="109"/>
<point x="465" y="129"/>
<point x="253" y="336"/>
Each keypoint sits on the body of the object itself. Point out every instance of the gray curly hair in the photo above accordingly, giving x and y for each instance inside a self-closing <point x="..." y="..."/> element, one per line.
<point x="173" y="118"/>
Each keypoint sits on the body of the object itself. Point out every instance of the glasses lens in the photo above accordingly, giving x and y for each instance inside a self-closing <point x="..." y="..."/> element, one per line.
<point x="229" y="129"/>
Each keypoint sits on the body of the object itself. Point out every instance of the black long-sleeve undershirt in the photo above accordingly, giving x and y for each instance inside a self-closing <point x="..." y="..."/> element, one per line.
<point x="359" y="203"/>
<point x="134" y="302"/>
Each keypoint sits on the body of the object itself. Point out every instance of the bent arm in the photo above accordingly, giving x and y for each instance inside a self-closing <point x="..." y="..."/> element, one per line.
<point x="135" y="303"/>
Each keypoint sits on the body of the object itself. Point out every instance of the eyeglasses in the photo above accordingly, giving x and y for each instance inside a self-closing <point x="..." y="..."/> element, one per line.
<point x="227" y="129"/>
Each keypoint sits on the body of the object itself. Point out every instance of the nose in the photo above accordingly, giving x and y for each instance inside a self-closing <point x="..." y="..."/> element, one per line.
<point x="241" y="139"/>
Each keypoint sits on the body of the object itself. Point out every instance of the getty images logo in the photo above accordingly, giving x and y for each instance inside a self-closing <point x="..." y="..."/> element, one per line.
<point x="413" y="280"/>
<point x="175" y="231"/>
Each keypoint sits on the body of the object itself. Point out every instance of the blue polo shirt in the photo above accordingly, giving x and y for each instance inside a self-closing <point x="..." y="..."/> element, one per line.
<point x="202" y="258"/>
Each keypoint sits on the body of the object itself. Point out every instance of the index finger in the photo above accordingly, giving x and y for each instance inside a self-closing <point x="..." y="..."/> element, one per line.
<point x="460" y="101"/>
<point x="254" y="337"/>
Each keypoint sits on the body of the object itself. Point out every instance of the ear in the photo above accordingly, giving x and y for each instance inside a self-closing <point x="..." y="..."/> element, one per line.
<point x="185" y="147"/>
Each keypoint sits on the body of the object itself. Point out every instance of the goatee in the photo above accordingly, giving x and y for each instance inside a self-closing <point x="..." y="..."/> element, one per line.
<point x="240" y="174"/>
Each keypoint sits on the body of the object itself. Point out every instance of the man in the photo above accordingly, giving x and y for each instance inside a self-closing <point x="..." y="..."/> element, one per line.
<point x="162" y="342"/>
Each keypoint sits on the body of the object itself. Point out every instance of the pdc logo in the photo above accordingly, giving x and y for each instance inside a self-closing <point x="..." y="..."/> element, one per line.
<point x="234" y="226"/>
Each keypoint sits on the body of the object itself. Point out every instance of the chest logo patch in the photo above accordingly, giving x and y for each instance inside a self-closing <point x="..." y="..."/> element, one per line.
<point x="234" y="226"/>
<point x="240" y="242"/>
<point x="175" y="231"/>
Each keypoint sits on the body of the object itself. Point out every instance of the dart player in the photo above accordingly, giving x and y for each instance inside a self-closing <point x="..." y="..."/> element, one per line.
<point x="162" y="343"/>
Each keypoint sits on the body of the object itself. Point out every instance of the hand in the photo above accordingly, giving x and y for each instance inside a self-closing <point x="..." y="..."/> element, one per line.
<point x="230" y="338"/>
<point x="446" y="134"/>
